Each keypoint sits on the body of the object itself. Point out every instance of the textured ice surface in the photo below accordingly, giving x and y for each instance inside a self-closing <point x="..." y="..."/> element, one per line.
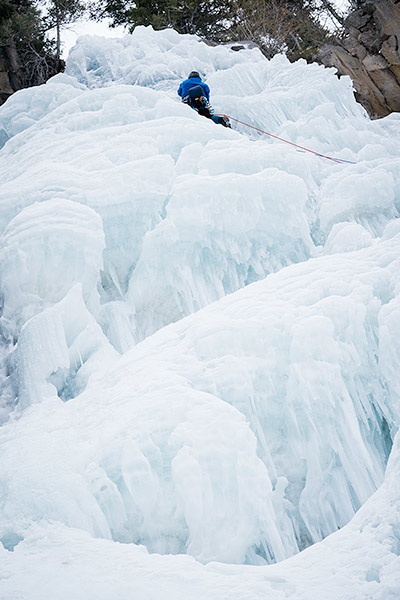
<point x="263" y="421"/>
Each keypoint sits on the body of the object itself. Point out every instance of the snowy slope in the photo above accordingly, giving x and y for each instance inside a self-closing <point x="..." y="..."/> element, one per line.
<point x="248" y="430"/>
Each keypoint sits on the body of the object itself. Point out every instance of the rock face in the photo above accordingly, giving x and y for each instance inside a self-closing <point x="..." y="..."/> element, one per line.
<point x="370" y="54"/>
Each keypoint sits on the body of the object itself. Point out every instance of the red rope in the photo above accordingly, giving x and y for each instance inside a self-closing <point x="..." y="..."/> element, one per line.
<point x="337" y="160"/>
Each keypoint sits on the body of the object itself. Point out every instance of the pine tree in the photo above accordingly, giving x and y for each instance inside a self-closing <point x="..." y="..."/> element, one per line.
<point x="292" y="27"/>
<point x="61" y="13"/>
<point x="19" y="33"/>
<point x="28" y="54"/>
<point x="207" y="18"/>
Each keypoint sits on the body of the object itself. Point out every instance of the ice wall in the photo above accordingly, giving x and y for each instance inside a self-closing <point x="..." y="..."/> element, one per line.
<point x="256" y="426"/>
<point x="262" y="420"/>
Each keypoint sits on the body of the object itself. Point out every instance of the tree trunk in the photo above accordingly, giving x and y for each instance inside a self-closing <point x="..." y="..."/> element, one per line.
<point x="332" y="11"/>
<point x="14" y="65"/>
<point x="58" y="55"/>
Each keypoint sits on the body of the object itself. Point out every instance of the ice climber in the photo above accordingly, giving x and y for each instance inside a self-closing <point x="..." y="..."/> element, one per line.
<point x="196" y="94"/>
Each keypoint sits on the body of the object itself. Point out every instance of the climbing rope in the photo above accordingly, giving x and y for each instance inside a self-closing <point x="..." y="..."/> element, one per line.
<point x="336" y="160"/>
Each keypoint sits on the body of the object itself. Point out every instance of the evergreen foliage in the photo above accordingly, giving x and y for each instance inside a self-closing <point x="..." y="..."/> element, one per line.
<point x="31" y="58"/>
<point x="19" y="21"/>
<point x="208" y="18"/>
<point x="288" y="26"/>
<point x="28" y="54"/>
<point x="61" y="13"/>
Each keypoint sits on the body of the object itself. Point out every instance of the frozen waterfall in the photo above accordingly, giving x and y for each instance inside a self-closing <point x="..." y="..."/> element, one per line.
<point x="200" y="327"/>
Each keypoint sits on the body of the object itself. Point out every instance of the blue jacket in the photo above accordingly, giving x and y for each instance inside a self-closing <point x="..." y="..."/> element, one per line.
<point x="189" y="83"/>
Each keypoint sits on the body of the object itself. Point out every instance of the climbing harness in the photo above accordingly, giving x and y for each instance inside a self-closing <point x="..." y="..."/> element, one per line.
<point x="199" y="103"/>
<point x="336" y="160"/>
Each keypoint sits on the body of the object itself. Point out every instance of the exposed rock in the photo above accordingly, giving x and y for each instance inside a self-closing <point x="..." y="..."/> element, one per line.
<point x="370" y="54"/>
<point x="390" y="50"/>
